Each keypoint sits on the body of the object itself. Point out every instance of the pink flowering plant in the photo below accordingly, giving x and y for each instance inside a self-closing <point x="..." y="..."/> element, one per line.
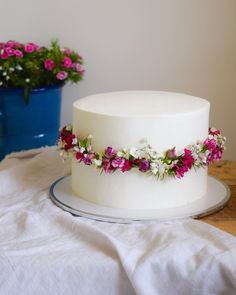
<point x="144" y="159"/>
<point x="30" y="66"/>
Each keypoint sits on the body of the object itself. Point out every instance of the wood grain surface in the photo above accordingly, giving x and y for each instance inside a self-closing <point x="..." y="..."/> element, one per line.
<point x="226" y="218"/>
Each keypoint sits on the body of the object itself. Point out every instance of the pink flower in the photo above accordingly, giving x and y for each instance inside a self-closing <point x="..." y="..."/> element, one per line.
<point x="66" y="51"/>
<point x="4" y="55"/>
<point x="118" y="162"/>
<point x="180" y="170"/>
<point x="49" y="64"/>
<point x="9" y="51"/>
<point x="144" y="165"/>
<point x="109" y="152"/>
<point x="62" y="75"/>
<point x="18" y="53"/>
<point x="30" y="47"/>
<point x="78" y="68"/>
<point x="108" y="168"/>
<point x="88" y="159"/>
<point x="11" y="43"/>
<point x="188" y="158"/>
<point x="127" y="166"/>
<point x="67" y="62"/>
<point x="210" y="144"/>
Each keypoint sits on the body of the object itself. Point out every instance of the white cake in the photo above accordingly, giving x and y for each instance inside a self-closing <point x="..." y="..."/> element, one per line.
<point x="121" y="120"/>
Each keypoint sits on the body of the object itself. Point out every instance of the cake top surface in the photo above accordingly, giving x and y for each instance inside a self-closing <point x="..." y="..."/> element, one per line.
<point x="140" y="103"/>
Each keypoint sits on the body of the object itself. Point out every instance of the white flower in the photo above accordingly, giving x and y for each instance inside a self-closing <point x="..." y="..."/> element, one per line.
<point x="1" y="83"/>
<point x="11" y="69"/>
<point x="90" y="136"/>
<point x="97" y="162"/>
<point x="7" y="77"/>
<point x="1" y="68"/>
<point x="74" y="140"/>
<point x="134" y="152"/>
<point x="4" y="73"/>
<point x="82" y="149"/>
<point x="27" y="80"/>
<point x="68" y="127"/>
<point x="18" y="67"/>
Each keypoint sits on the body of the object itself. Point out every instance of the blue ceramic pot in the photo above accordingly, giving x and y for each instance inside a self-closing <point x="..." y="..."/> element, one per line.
<point x="29" y="126"/>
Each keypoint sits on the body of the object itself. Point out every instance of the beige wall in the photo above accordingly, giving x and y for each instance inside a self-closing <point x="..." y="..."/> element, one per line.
<point x="177" y="45"/>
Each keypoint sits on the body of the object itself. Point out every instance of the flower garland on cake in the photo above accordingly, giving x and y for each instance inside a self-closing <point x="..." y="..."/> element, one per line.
<point x="145" y="159"/>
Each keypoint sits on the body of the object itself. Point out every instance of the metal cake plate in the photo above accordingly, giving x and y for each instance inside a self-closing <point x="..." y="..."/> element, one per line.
<point x="215" y="199"/>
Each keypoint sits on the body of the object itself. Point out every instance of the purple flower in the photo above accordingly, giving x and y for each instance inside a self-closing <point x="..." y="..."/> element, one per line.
<point x="62" y="75"/>
<point x="109" y="152"/>
<point x="118" y="162"/>
<point x="88" y="159"/>
<point x="144" y="165"/>
<point x="108" y="168"/>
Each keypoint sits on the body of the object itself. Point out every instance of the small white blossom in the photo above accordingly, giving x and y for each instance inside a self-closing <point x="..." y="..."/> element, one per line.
<point x="7" y="77"/>
<point x="1" y="83"/>
<point x="27" y="80"/>
<point x="11" y="69"/>
<point x="82" y="149"/>
<point x="74" y="140"/>
<point x="90" y="136"/>
<point x="4" y="73"/>
<point x="18" y="67"/>
<point x="68" y="127"/>
<point x="1" y="68"/>
<point x="97" y="162"/>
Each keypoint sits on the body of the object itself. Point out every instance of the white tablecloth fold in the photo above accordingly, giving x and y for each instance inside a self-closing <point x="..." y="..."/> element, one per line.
<point x="44" y="250"/>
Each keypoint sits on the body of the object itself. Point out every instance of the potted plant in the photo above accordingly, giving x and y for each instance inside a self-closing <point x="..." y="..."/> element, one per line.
<point x="31" y="81"/>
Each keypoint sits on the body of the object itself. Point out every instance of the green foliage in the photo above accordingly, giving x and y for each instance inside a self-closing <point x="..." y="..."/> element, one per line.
<point x="30" y="66"/>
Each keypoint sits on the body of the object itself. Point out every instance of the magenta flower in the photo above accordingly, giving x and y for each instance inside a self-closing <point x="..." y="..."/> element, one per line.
<point x="108" y="168"/>
<point x="4" y="55"/>
<point x="180" y="170"/>
<point x="62" y="75"/>
<point x="18" y="53"/>
<point x="118" y="162"/>
<point x="109" y="152"/>
<point x="188" y="158"/>
<point x="30" y="47"/>
<point x="67" y="62"/>
<point x="9" y="51"/>
<point x="144" y="165"/>
<point x="127" y="166"/>
<point x="210" y="144"/>
<point x="49" y="64"/>
<point x="88" y="159"/>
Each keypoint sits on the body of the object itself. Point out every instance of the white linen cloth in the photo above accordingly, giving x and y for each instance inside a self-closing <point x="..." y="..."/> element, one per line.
<point x="44" y="250"/>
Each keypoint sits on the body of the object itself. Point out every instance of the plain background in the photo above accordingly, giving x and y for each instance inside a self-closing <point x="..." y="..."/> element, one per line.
<point x="184" y="46"/>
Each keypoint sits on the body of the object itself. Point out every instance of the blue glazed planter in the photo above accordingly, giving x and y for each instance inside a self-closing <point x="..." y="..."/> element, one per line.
<point x="29" y="126"/>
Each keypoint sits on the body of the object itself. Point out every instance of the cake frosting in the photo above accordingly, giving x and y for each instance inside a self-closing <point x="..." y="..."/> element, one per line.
<point x="123" y="119"/>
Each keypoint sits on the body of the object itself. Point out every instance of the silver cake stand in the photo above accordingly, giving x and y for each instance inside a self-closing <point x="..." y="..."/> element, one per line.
<point x="215" y="199"/>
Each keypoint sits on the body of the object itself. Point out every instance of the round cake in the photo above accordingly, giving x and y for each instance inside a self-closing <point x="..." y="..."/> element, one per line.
<point x="125" y="120"/>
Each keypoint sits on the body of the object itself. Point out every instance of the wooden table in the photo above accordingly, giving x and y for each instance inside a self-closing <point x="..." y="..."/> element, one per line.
<point x="226" y="218"/>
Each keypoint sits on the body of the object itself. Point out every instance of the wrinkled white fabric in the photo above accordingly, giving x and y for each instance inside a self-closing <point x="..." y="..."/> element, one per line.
<point x="44" y="250"/>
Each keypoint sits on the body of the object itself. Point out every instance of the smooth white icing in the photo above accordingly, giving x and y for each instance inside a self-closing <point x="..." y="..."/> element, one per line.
<point x="122" y="119"/>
